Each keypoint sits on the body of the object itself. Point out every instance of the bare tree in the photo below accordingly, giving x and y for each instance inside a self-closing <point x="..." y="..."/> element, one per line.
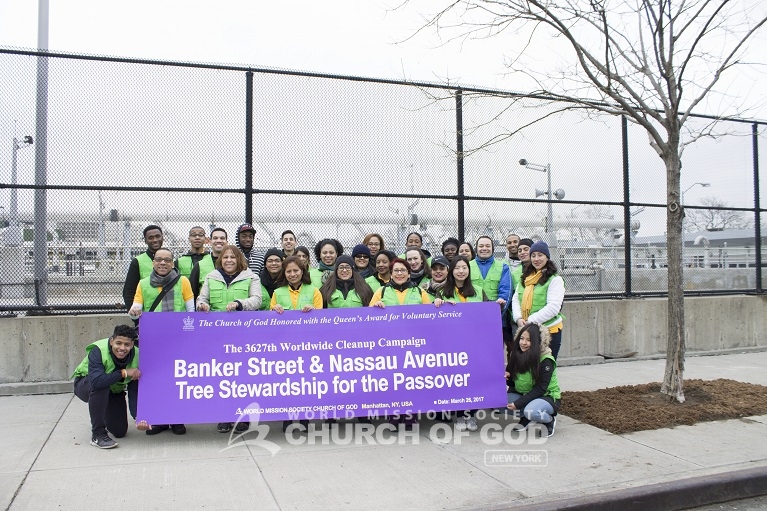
<point x="715" y="218"/>
<point x="651" y="61"/>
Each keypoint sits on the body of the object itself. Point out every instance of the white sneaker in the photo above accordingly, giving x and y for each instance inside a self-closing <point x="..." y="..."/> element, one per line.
<point x="471" y="424"/>
<point x="460" y="424"/>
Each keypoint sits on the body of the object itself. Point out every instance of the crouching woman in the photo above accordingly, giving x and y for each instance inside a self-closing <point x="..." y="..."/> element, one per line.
<point x="532" y="378"/>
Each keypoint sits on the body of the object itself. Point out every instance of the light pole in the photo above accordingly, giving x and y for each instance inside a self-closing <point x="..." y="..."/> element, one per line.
<point x="681" y="199"/>
<point x="14" y="237"/>
<point x="547" y="169"/>
<point x="703" y="185"/>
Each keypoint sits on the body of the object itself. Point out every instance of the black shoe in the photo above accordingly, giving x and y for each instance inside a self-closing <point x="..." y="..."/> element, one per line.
<point x="242" y="427"/>
<point x="224" y="427"/>
<point x="178" y="429"/>
<point x="156" y="430"/>
<point x="522" y="425"/>
<point x="103" y="441"/>
<point x="550" y="427"/>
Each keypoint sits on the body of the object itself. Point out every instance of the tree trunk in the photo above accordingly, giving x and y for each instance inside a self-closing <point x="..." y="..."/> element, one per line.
<point x="673" y="376"/>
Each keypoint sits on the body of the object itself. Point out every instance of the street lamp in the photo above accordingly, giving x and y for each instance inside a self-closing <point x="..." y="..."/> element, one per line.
<point x="14" y="237"/>
<point x="681" y="198"/>
<point x="559" y="194"/>
<point x="703" y="185"/>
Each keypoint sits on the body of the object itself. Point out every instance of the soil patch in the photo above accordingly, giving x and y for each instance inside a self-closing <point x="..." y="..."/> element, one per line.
<point x="642" y="407"/>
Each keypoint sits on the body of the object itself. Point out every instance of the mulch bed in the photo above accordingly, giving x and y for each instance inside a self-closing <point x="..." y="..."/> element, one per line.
<point x="642" y="407"/>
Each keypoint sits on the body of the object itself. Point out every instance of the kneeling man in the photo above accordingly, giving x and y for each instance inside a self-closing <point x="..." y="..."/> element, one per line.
<point x="107" y="371"/>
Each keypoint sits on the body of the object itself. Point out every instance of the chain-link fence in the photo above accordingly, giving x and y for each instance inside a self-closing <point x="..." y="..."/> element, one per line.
<point x="119" y="144"/>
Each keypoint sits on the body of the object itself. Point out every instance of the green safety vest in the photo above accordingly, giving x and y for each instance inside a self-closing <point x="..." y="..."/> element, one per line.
<point x="412" y="296"/>
<point x="523" y="383"/>
<point x="490" y="283"/>
<point x="145" y="265"/>
<point x="206" y="266"/>
<point x="337" y="300"/>
<point x="265" y="299"/>
<point x="149" y="294"/>
<point x="316" y="275"/>
<point x="185" y="265"/>
<point x="469" y="299"/>
<point x="516" y="276"/>
<point x="109" y="364"/>
<point x="539" y="299"/>
<point x="373" y="282"/>
<point x="220" y="295"/>
<point x="305" y="296"/>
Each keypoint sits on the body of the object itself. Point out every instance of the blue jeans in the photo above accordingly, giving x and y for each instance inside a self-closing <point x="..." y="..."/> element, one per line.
<point x="537" y="410"/>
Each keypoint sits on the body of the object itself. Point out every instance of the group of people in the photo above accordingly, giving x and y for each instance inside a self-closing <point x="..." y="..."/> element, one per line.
<point x="237" y="277"/>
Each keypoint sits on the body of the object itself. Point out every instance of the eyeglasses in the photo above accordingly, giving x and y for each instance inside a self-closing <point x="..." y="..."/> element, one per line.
<point x="373" y="244"/>
<point x="399" y="270"/>
<point x="163" y="259"/>
<point x="344" y="267"/>
<point x="362" y="256"/>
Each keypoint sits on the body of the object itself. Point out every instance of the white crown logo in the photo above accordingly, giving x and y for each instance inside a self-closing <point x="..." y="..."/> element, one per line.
<point x="188" y="324"/>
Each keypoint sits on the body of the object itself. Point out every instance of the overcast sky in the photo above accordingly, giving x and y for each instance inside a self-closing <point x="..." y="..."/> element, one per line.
<point x="349" y="37"/>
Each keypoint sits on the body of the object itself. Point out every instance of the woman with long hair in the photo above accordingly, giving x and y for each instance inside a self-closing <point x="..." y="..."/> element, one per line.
<point x="346" y="287"/>
<point x="531" y="375"/>
<point x="539" y="295"/>
<point x="375" y="244"/>
<point x="459" y="289"/>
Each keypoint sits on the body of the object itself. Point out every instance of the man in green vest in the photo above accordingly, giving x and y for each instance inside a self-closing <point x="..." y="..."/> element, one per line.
<point x="151" y="296"/>
<point x="218" y="240"/>
<point x="101" y="380"/>
<point x="186" y="262"/>
<point x="141" y="265"/>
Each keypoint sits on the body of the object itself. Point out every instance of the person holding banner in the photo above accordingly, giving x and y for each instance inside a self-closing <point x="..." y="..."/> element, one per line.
<point x="531" y="375"/>
<point x="540" y="294"/>
<point x="164" y="290"/>
<point x="232" y="286"/>
<point x="109" y="368"/>
<point x="400" y="290"/>
<point x="295" y="290"/>
<point x="459" y="288"/>
<point x="346" y="287"/>
<point x="326" y="251"/>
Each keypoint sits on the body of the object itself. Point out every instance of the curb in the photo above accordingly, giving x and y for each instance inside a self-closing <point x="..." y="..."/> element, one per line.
<point x="670" y="496"/>
<point x="33" y="388"/>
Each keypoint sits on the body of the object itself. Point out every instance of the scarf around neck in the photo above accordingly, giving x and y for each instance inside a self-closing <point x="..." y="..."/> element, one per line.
<point x="527" y="296"/>
<point x="167" y="302"/>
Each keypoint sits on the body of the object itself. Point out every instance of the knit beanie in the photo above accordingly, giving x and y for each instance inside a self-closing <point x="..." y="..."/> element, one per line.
<point x="361" y="250"/>
<point x="542" y="247"/>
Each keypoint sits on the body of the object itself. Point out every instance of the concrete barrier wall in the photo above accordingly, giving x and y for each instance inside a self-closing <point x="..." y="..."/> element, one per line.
<point x="35" y="349"/>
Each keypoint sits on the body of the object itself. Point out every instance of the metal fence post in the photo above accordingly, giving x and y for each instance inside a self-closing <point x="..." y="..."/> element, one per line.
<point x="249" y="147"/>
<point x="757" y="207"/>
<point x="459" y="162"/>
<point x="626" y="207"/>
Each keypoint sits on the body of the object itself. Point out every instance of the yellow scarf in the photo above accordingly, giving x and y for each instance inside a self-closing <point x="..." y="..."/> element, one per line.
<point x="527" y="296"/>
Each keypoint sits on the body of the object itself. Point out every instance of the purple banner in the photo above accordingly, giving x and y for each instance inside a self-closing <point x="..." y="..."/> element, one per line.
<point x="215" y="367"/>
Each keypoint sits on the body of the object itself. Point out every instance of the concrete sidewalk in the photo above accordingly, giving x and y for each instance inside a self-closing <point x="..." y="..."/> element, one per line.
<point x="47" y="462"/>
